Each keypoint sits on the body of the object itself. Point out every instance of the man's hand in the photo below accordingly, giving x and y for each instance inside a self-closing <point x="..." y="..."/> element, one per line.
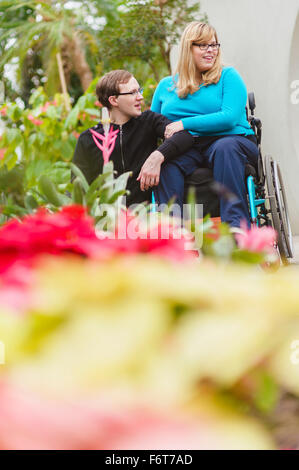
<point x="172" y="128"/>
<point x="150" y="172"/>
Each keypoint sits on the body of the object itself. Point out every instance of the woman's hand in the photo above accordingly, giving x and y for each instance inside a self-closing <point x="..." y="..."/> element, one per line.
<point x="172" y="128"/>
<point x="150" y="172"/>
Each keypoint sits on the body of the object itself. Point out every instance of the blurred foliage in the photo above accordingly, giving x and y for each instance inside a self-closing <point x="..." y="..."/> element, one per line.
<point x="93" y="37"/>
<point x="37" y="146"/>
<point x="45" y="130"/>
<point x="141" y="37"/>
<point x="32" y="32"/>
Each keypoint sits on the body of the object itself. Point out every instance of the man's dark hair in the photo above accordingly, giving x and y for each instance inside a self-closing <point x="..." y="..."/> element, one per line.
<point x="108" y="85"/>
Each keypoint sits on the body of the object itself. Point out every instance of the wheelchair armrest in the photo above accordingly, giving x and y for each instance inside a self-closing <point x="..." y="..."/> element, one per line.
<point x="257" y="123"/>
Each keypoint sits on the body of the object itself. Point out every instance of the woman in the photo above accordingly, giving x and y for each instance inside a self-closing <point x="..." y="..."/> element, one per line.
<point x="208" y="100"/>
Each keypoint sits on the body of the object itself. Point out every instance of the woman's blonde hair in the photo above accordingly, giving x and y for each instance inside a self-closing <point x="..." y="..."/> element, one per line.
<point x="186" y="68"/>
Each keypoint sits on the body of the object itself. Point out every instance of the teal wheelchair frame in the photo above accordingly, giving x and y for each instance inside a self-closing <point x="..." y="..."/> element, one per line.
<point x="266" y="194"/>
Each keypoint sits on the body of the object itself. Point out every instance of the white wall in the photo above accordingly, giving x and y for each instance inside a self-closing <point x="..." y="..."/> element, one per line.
<point x="261" y="39"/>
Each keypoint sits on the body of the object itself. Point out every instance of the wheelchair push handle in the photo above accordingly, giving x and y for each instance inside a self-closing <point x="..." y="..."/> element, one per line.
<point x="251" y="102"/>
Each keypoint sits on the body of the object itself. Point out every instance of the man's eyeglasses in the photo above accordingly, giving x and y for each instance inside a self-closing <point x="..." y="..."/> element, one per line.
<point x="133" y="93"/>
<point x="205" y="47"/>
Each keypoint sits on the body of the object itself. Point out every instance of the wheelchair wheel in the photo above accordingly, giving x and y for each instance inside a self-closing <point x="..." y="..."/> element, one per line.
<point x="278" y="207"/>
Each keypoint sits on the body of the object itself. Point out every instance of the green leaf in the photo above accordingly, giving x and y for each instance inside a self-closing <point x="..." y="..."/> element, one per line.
<point x="93" y="208"/>
<point x="78" y="192"/>
<point x="10" y="160"/>
<point x="14" y="112"/>
<point x="30" y="202"/>
<point x="95" y="186"/>
<point x="267" y="394"/>
<point x="32" y="139"/>
<point x="121" y="182"/>
<point x="104" y="195"/>
<point x="52" y="112"/>
<point x="72" y="118"/>
<point x="66" y="150"/>
<point x="92" y="112"/>
<point x="14" y="210"/>
<point x="78" y="172"/>
<point x="108" y="167"/>
<point x="37" y="98"/>
<point x="48" y="188"/>
<point x="81" y="103"/>
<point x="116" y="195"/>
<point x="13" y="136"/>
<point x="41" y="137"/>
<point x="191" y="201"/>
<point x="248" y="257"/>
<point x="41" y="196"/>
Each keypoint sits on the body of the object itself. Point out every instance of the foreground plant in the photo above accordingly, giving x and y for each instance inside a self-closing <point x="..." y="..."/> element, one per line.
<point x="138" y="322"/>
<point x="209" y="369"/>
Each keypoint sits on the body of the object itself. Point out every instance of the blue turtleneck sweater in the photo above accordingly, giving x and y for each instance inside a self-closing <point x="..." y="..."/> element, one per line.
<point x="217" y="109"/>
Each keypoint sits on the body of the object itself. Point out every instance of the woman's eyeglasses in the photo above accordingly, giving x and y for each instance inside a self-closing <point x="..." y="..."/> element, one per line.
<point x="133" y="93"/>
<point x="205" y="47"/>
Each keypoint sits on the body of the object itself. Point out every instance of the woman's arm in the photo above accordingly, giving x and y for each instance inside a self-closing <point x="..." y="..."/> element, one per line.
<point x="171" y="147"/>
<point x="157" y="98"/>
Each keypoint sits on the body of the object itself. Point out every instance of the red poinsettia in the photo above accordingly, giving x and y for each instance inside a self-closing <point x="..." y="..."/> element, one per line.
<point x="71" y="230"/>
<point x="161" y="238"/>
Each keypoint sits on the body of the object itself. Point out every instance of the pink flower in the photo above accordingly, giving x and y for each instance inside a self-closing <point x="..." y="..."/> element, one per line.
<point x="36" y="122"/>
<point x="2" y="152"/>
<point x="256" y="239"/>
<point x="30" y="421"/>
<point x="47" y="104"/>
<point x="108" y="142"/>
<point x="27" y="421"/>
<point x="3" y="111"/>
<point x="45" y="107"/>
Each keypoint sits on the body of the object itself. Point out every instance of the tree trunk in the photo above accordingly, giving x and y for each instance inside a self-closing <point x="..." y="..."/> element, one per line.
<point x="62" y="81"/>
<point x="66" y="57"/>
<point x="154" y="70"/>
<point x="81" y="67"/>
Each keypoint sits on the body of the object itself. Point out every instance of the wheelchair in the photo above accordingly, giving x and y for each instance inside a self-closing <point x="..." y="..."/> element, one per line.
<point x="266" y="195"/>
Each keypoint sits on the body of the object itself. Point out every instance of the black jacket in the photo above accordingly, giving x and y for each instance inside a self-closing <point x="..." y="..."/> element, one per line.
<point x="136" y="140"/>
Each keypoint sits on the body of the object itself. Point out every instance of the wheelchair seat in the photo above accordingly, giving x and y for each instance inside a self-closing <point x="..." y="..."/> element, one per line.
<point x="202" y="180"/>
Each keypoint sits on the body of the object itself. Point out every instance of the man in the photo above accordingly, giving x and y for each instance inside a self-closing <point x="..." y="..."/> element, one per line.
<point x="136" y="143"/>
